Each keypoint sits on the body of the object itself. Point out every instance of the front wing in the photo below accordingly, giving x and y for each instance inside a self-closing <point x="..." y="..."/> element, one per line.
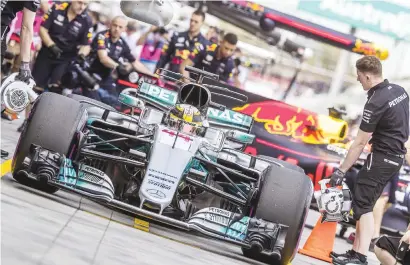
<point x="248" y="232"/>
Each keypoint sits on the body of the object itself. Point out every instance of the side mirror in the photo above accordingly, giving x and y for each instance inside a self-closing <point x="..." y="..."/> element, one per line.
<point x="215" y="139"/>
<point x="154" y="12"/>
<point x="131" y="101"/>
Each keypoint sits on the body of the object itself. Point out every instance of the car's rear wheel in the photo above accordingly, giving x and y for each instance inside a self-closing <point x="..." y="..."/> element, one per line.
<point x="285" y="198"/>
<point x="52" y="124"/>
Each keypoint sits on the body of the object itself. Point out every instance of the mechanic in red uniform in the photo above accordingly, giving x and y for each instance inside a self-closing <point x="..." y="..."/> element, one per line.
<point x="108" y="47"/>
<point x="66" y="26"/>
<point x="216" y="59"/>
<point x="182" y="44"/>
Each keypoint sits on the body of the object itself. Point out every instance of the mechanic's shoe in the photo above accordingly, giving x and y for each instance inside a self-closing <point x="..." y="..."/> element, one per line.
<point x="351" y="238"/>
<point x="21" y="128"/>
<point x="352" y="260"/>
<point x="345" y="255"/>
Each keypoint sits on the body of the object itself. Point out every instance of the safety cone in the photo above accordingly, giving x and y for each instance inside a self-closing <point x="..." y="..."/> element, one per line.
<point x="321" y="241"/>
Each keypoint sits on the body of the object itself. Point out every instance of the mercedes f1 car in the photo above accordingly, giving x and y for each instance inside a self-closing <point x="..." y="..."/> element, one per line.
<point x="181" y="161"/>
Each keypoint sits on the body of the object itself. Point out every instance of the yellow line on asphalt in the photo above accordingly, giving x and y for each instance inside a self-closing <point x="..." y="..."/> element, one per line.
<point x="5" y="168"/>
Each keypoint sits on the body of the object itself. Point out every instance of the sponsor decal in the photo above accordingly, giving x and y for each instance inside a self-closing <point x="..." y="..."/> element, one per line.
<point x="397" y="100"/>
<point x="159" y="184"/>
<point x="367" y="115"/>
<point x="92" y="170"/>
<point x="282" y="119"/>
<point x="156" y="193"/>
<point x="230" y="116"/>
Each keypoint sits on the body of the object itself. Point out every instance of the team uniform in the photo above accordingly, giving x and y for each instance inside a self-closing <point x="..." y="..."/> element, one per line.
<point x="206" y="59"/>
<point x="115" y="50"/>
<point x="67" y="35"/>
<point x="386" y="115"/>
<point x="179" y="49"/>
<point x="9" y="9"/>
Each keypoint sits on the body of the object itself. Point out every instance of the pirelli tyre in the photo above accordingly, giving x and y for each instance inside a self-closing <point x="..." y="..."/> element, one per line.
<point x="83" y="100"/>
<point x="285" y="198"/>
<point x="52" y="124"/>
<point x="282" y="162"/>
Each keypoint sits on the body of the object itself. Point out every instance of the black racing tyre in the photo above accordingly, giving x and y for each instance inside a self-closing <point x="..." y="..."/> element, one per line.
<point x="282" y="162"/>
<point x="83" y="98"/>
<point x="52" y="124"/>
<point x="285" y="198"/>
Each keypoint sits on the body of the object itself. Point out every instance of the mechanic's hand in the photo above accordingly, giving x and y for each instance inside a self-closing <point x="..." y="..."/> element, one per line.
<point x="24" y="73"/>
<point x="55" y="51"/>
<point x="336" y="179"/>
<point x="122" y="69"/>
<point x="406" y="238"/>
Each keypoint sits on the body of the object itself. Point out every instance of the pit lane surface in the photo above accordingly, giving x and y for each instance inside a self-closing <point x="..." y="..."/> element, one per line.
<point x="37" y="228"/>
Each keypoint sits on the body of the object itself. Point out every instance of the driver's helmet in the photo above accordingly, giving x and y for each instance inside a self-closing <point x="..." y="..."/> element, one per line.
<point x="187" y="113"/>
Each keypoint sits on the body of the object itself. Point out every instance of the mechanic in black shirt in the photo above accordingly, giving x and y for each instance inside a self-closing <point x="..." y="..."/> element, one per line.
<point x="386" y="121"/>
<point x="108" y="47"/>
<point x="216" y="59"/>
<point x="65" y="27"/>
<point x="9" y="10"/>
<point x="182" y="44"/>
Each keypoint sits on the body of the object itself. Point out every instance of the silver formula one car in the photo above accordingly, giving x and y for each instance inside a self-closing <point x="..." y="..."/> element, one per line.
<point x="180" y="162"/>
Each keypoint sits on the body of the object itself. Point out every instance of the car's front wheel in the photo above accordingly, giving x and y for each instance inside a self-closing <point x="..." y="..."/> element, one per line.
<point x="284" y="198"/>
<point x="52" y="124"/>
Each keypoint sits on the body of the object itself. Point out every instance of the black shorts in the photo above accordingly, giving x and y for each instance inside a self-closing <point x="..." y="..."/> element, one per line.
<point x="391" y="187"/>
<point x="378" y="170"/>
<point x="391" y="244"/>
<point x="47" y="70"/>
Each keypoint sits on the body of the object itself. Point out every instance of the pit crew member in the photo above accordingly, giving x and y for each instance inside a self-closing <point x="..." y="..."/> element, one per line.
<point x="387" y="246"/>
<point x="182" y="44"/>
<point x="9" y="10"/>
<point x="107" y="48"/>
<point x="15" y="28"/>
<point x="214" y="58"/>
<point x="386" y="121"/>
<point x="65" y="27"/>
